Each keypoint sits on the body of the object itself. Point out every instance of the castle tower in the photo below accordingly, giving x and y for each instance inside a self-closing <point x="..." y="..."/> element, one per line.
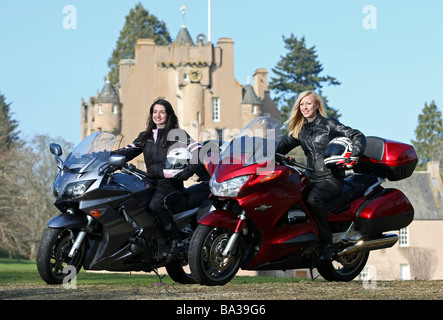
<point x="251" y="105"/>
<point x="103" y="112"/>
<point x="108" y="110"/>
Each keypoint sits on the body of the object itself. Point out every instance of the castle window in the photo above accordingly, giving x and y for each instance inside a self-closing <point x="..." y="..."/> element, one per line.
<point x="114" y="109"/>
<point x="100" y="109"/>
<point x="85" y="113"/>
<point x="216" y="109"/>
<point x="404" y="237"/>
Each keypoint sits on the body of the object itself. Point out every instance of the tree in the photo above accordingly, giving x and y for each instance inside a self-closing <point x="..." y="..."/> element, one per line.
<point x="26" y="200"/>
<point x="8" y="126"/>
<point x="298" y="71"/>
<point x="429" y="135"/>
<point x="139" y="25"/>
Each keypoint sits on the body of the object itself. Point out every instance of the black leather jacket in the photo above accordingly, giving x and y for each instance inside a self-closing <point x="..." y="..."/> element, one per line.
<point x="314" y="138"/>
<point x="155" y="153"/>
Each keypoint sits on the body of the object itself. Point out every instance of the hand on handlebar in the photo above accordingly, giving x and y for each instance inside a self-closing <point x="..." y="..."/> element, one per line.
<point x="290" y="161"/>
<point x="130" y="167"/>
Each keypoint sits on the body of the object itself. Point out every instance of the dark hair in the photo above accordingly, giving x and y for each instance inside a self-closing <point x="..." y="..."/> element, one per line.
<point x="171" y="122"/>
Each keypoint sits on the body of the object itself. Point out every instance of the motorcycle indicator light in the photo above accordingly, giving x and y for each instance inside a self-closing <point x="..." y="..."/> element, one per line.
<point x="96" y="213"/>
<point x="269" y="177"/>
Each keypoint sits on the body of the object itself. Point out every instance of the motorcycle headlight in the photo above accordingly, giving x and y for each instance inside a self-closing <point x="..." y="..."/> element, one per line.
<point x="76" y="189"/>
<point x="228" y="188"/>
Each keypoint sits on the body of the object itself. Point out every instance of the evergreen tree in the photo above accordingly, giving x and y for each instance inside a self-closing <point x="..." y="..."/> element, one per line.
<point x="298" y="71"/>
<point x="429" y="135"/>
<point x="8" y="126"/>
<point x="139" y="24"/>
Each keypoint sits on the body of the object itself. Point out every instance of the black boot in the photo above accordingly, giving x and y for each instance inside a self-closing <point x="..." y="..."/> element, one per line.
<point x="327" y="251"/>
<point x="175" y="246"/>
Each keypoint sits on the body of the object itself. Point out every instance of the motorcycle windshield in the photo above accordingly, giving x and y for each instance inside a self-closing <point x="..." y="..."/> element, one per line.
<point x="256" y="143"/>
<point x="92" y="151"/>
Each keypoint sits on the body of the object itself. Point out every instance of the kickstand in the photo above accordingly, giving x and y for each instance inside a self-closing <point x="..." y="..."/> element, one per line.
<point x="312" y="274"/>
<point x="159" y="278"/>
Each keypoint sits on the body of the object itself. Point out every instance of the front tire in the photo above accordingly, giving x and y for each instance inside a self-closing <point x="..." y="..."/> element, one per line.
<point x="206" y="261"/>
<point x="52" y="254"/>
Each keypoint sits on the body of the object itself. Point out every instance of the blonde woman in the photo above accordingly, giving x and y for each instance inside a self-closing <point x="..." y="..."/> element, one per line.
<point x="312" y="130"/>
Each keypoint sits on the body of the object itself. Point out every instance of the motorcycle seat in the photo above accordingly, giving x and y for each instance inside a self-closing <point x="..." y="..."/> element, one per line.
<point x="196" y="194"/>
<point x="193" y="198"/>
<point x="354" y="186"/>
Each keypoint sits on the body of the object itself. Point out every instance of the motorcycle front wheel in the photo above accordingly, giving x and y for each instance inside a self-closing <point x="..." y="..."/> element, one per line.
<point x="344" y="268"/>
<point x="206" y="261"/>
<point x="52" y="255"/>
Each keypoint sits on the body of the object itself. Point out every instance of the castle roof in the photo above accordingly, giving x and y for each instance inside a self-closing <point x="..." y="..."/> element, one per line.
<point x="108" y="94"/>
<point x="183" y="37"/>
<point x="249" y="96"/>
<point x="424" y="192"/>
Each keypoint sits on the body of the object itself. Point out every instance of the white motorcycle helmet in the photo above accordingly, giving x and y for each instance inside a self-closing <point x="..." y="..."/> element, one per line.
<point x="338" y="151"/>
<point x="176" y="160"/>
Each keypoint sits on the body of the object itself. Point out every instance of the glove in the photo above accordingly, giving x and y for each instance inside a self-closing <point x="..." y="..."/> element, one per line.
<point x="290" y="161"/>
<point x="183" y="175"/>
<point x="349" y="163"/>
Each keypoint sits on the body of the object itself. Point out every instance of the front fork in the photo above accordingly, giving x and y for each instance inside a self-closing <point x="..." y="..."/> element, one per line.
<point x="80" y="238"/>
<point x="233" y="238"/>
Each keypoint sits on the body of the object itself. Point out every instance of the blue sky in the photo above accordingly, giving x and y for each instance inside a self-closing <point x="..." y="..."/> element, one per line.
<point x="387" y="73"/>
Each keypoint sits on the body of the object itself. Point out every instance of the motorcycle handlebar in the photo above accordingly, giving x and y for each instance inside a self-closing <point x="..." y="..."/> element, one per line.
<point x="290" y="162"/>
<point x="131" y="168"/>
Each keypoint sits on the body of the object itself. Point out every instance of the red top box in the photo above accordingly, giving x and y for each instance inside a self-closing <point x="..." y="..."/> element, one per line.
<point x="388" y="159"/>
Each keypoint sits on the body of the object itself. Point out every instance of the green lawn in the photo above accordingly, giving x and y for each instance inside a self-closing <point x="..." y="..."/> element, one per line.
<point x="24" y="271"/>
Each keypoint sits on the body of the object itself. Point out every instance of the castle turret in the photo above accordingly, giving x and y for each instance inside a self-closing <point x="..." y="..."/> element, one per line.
<point x="251" y="104"/>
<point x="107" y="110"/>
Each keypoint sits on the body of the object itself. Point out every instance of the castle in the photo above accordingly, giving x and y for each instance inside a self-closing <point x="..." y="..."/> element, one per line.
<point x="197" y="78"/>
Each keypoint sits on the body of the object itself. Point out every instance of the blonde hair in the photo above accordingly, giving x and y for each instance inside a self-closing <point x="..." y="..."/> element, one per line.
<point x="296" y="119"/>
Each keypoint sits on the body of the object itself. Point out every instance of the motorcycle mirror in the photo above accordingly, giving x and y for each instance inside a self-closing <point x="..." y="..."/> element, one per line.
<point x="117" y="160"/>
<point x="55" y="149"/>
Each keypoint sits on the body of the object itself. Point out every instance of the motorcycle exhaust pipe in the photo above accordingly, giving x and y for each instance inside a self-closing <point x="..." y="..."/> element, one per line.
<point x="386" y="241"/>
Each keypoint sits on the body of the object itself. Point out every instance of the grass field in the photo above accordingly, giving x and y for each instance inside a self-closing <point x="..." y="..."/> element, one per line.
<point x="24" y="271"/>
<point x="19" y="280"/>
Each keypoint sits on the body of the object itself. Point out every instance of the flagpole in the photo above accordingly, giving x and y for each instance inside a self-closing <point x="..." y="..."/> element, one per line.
<point x="209" y="20"/>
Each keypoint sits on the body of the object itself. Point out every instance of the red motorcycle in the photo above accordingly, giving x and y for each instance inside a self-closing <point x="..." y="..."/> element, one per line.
<point x="259" y="219"/>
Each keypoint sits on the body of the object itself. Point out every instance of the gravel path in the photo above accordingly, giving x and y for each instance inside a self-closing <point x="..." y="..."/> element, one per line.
<point x="301" y="290"/>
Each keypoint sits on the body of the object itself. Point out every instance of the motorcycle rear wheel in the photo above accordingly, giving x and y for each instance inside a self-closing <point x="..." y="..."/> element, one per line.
<point x="206" y="261"/>
<point x="52" y="255"/>
<point x="176" y="270"/>
<point x="344" y="268"/>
